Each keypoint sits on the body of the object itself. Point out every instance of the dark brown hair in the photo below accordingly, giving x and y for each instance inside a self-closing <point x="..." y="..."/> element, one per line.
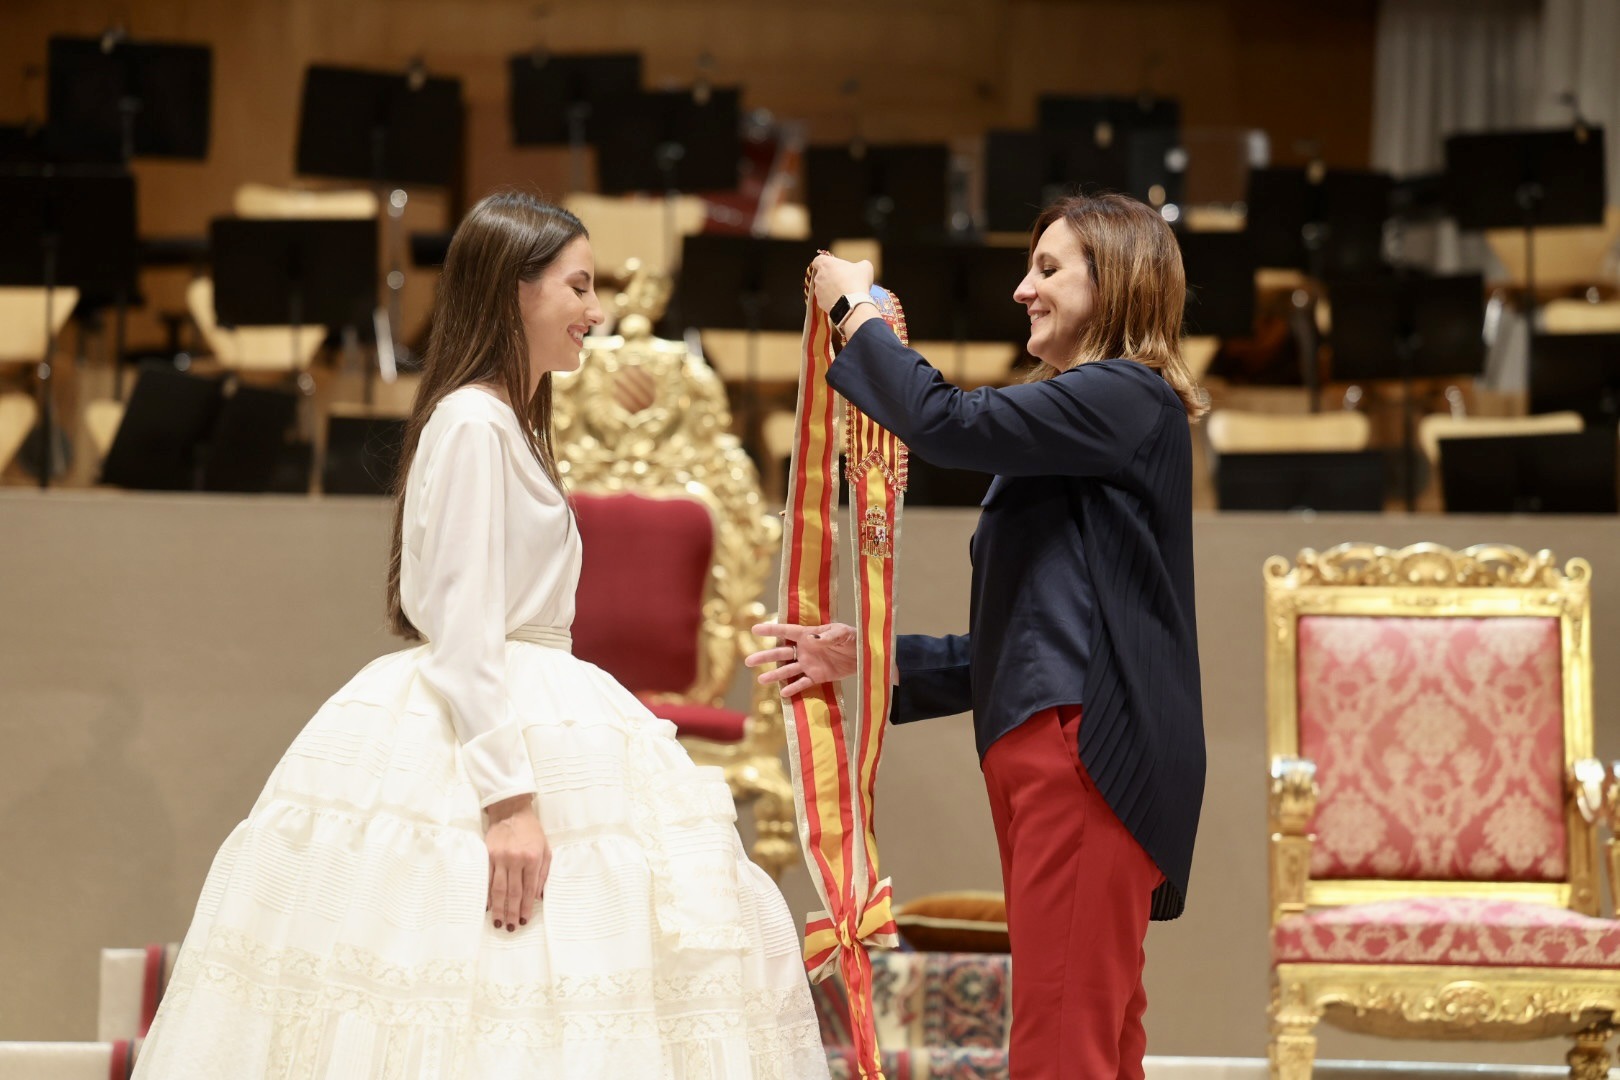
<point x="477" y="336"/>
<point x="1140" y="285"/>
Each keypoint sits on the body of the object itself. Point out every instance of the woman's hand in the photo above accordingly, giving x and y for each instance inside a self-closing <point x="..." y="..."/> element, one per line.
<point x="519" y="860"/>
<point x="811" y="655"/>
<point x="832" y="277"/>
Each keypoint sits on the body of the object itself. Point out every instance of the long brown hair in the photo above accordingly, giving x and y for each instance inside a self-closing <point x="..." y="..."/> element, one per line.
<point x="1140" y="285"/>
<point x="477" y="336"/>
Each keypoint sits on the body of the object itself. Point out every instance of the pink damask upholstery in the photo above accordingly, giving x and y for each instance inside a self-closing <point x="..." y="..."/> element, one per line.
<point x="1444" y="930"/>
<point x="1438" y="744"/>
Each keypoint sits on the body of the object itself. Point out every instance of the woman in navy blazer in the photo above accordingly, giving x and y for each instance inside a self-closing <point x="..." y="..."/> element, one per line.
<point x="1081" y="665"/>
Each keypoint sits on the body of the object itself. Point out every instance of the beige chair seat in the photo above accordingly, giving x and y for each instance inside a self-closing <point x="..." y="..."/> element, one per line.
<point x="1232" y="431"/>
<point x="101" y="420"/>
<point x="251" y="348"/>
<point x="265" y="201"/>
<point x="17" y="415"/>
<point x="22" y="321"/>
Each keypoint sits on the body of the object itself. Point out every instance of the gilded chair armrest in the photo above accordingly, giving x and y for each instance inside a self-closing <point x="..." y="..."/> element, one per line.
<point x="1587" y="783"/>
<point x="1611" y="812"/>
<point x="1291" y="803"/>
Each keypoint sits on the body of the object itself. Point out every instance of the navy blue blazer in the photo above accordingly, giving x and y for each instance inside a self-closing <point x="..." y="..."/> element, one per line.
<point x="1093" y="484"/>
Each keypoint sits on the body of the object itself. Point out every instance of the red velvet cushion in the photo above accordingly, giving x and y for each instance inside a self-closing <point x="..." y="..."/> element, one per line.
<point x="1448" y="930"/>
<point x="702" y="721"/>
<point x="639" y="609"/>
<point x="1439" y="747"/>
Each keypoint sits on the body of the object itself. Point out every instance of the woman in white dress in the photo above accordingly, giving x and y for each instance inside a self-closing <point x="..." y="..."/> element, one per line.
<point x="483" y="858"/>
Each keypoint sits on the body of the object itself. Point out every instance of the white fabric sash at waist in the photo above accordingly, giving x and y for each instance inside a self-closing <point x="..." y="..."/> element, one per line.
<point x="552" y="637"/>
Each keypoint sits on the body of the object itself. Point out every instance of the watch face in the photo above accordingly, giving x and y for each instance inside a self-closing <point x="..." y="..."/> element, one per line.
<point x="840" y="308"/>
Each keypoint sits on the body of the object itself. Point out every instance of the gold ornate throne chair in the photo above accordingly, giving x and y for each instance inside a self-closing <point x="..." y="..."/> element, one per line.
<point x="1433" y="802"/>
<point x="678" y="544"/>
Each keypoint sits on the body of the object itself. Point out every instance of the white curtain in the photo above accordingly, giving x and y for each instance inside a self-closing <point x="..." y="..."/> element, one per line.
<point x="1444" y="66"/>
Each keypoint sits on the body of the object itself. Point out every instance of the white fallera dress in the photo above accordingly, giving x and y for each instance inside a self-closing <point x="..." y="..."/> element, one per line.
<point x="341" y="934"/>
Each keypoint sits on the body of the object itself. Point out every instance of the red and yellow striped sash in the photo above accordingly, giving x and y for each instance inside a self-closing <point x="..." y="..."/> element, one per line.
<point x="834" y="754"/>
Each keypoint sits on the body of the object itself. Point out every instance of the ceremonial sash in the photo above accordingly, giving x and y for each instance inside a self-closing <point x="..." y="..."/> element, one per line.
<point x="833" y="751"/>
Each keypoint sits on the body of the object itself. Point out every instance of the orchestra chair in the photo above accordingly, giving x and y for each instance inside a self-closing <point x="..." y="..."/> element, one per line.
<point x="273" y="349"/>
<point x="678" y="545"/>
<point x="1235" y="431"/>
<point x="1433" y="802"/>
<point x="23" y="342"/>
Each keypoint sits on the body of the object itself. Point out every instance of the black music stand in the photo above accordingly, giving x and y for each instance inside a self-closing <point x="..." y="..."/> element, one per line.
<point x="1406" y="327"/>
<point x="111" y="100"/>
<point x="253" y="449"/>
<point x="1526" y="180"/>
<point x="1327" y="228"/>
<point x="284" y="272"/>
<point x="161" y="441"/>
<point x="379" y="127"/>
<point x="430" y="249"/>
<point x="1579" y="373"/>
<point x="1531" y="474"/>
<point x="888" y="192"/>
<point x="65" y="228"/>
<point x="959" y="292"/>
<point x="744" y="283"/>
<point x="554" y="97"/>
<point x="1141" y="135"/>
<point x="1324" y="482"/>
<point x="1220" y="283"/>
<point x="362" y="454"/>
<point x="1026" y="171"/>
<point x="390" y="129"/>
<point x="669" y="141"/>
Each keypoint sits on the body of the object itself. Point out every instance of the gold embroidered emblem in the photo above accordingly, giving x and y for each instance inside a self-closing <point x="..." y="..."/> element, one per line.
<point x="877" y="538"/>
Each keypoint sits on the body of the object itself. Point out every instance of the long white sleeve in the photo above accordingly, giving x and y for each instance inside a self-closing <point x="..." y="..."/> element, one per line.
<point x="462" y="571"/>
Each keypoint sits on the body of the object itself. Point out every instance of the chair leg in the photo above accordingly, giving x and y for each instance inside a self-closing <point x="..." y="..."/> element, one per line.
<point x="1293" y="1050"/>
<point x="1293" y="1031"/>
<point x="1589" y="1059"/>
<point x="764" y="784"/>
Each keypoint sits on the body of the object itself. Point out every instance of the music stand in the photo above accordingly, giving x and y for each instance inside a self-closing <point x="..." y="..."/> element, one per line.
<point x="1220" y="283"/>
<point x="1142" y="134"/>
<point x="1324" y="482"/>
<point x="959" y="292"/>
<point x="1405" y="327"/>
<point x="744" y="283"/>
<point x="284" y="272"/>
<point x="1026" y="171"/>
<point x="1526" y="180"/>
<point x="1578" y="373"/>
<point x="430" y="249"/>
<point x="1572" y="473"/>
<point x="554" y="97"/>
<point x="1327" y="228"/>
<point x="65" y="228"/>
<point x="669" y="141"/>
<point x="113" y="101"/>
<point x="390" y="129"/>
<point x="362" y="454"/>
<point x="251" y="450"/>
<point x="159" y="443"/>
<point x="889" y="192"/>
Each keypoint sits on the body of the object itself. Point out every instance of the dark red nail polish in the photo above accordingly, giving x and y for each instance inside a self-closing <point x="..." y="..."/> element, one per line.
<point x="510" y="929"/>
<point x="497" y="924"/>
<point x="523" y="922"/>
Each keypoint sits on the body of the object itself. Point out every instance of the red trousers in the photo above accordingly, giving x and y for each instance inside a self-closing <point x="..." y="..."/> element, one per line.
<point x="1079" y="890"/>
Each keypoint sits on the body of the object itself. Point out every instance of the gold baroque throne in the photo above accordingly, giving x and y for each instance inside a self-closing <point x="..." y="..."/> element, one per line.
<point x="678" y="544"/>
<point x="1433" y="802"/>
